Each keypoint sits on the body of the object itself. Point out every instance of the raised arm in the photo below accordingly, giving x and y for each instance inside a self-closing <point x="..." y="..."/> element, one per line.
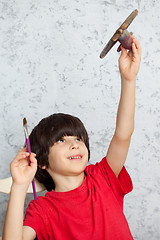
<point x="22" y="175"/>
<point x="129" y="63"/>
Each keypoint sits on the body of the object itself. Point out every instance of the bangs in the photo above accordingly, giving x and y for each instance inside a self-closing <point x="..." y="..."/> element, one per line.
<point x="67" y="127"/>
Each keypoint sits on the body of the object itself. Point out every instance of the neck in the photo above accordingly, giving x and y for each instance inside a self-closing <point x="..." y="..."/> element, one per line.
<point x="68" y="183"/>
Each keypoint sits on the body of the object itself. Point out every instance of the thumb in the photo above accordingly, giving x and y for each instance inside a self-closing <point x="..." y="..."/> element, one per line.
<point x="123" y="52"/>
<point x="33" y="161"/>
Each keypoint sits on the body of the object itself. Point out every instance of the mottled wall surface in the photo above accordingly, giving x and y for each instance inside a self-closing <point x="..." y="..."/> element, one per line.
<point x="49" y="62"/>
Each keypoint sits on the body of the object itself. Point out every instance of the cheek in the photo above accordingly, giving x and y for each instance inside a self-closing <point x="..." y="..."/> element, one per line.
<point x="54" y="164"/>
<point x="85" y="150"/>
<point x="86" y="153"/>
<point x="55" y="159"/>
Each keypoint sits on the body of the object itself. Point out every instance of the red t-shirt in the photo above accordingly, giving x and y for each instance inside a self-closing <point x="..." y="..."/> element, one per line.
<point x="93" y="211"/>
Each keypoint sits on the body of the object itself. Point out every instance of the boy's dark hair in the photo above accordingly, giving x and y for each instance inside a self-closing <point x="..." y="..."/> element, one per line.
<point x="48" y="131"/>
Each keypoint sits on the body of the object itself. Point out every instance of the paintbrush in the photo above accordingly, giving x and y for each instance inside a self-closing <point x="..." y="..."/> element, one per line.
<point x="29" y="150"/>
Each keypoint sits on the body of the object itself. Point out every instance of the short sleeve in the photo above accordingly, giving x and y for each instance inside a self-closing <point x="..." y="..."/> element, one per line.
<point x="35" y="218"/>
<point x="120" y="185"/>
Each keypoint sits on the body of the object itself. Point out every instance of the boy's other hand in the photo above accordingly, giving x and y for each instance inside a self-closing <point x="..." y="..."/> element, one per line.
<point x="22" y="173"/>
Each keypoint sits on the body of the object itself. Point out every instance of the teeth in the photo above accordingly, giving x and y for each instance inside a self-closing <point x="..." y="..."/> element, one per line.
<point x="74" y="157"/>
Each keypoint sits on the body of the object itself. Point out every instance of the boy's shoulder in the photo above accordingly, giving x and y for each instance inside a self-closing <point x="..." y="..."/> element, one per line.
<point x="102" y="172"/>
<point x="91" y="168"/>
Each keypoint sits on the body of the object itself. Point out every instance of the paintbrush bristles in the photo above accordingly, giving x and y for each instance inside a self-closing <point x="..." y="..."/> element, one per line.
<point x="25" y="127"/>
<point x="24" y="122"/>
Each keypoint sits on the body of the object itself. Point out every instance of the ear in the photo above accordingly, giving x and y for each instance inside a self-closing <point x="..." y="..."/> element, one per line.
<point x="43" y="167"/>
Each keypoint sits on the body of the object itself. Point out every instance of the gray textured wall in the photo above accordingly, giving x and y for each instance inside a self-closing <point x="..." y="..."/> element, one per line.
<point x="49" y="62"/>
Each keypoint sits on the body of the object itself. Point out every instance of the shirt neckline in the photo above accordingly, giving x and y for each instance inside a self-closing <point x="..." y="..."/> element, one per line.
<point x="75" y="192"/>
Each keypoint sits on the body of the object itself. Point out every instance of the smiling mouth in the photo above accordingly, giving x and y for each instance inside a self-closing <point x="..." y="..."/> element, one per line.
<point x="79" y="157"/>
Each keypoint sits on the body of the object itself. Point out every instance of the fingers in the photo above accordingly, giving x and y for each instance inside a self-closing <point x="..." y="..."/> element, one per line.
<point x="135" y="40"/>
<point x="22" y="156"/>
<point x="123" y="53"/>
<point x="136" y="47"/>
<point x="33" y="160"/>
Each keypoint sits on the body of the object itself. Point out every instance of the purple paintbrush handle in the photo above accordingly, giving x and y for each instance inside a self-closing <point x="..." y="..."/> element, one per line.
<point x="28" y="149"/>
<point x="33" y="183"/>
<point x="34" y="189"/>
<point x="28" y="145"/>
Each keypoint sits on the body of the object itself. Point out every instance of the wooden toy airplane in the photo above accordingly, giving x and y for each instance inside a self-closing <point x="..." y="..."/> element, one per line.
<point x="121" y="35"/>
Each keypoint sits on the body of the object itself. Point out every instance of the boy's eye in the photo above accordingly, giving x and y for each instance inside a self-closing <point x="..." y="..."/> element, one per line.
<point x="78" y="139"/>
<point x="60" y="141"/>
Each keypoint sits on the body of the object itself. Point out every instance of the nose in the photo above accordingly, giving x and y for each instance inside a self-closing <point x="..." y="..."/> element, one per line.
<point x="74" y="145"/>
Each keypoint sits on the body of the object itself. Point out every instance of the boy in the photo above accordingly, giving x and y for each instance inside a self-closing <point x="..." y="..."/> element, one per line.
<point x="83" y="202"/>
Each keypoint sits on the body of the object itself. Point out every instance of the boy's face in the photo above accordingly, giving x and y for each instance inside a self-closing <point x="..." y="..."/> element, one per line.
<point x="68" y="157"/>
